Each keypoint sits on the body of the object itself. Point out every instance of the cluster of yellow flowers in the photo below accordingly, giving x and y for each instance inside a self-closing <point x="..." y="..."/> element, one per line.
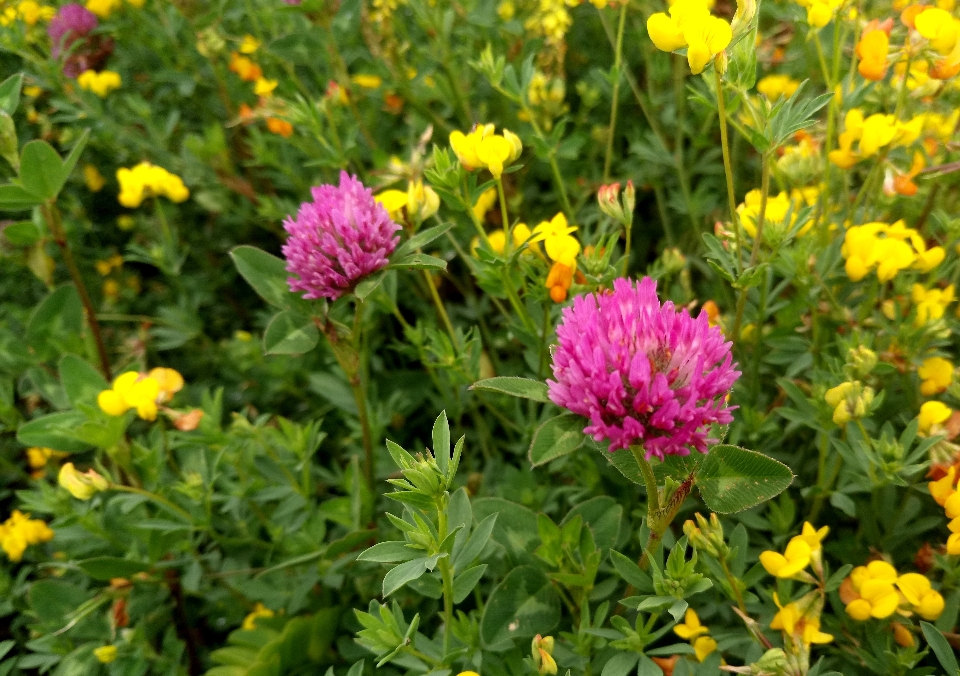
<point x="38" y="457"/>
<point x="777" y="209"/>
<point x="888" y="249"/>
<point x="944" y="491"/>
<point x="104" y="8"/>
<point x="877" y="590"/>
<point x="775" y="86"/>
<point x="148" y="180"/>
<point x="932" y="416"/>
<point x="29" y="12"/>
<point x="690" y="24"/>
<point x="20" y="531"/>
<point x="873" y="133"/>
<point x="820" y="12"/>
<point x="142" y="392"/>
<point x="799" y="553"/>
<point x="562" y="248"/>
<point x="81" y="485"/>
<point x="800" y="620"/>
<point x="100" y="83"/>
<point x="417" y="203"/>
<point x="692" y="630"/>
<point x="936" y="374"/>
<point x="931" y="304"/>
<point x="481" y="148"/>
<point x="850" y="400"/>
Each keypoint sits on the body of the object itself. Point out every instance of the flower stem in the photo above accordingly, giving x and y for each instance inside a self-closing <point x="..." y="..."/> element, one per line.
<point x="52" y="215"/>
<point x="757" y="243"/>
<point x="552" y="158"/>
<point x="649" y="478"/>
<point x="728" y="169"/>
<point x="508" y="241"/>
<point x="617" y="59"/>
<point x="159" y="499"/>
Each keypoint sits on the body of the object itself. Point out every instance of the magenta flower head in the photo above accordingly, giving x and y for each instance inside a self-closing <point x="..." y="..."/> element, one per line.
<point x="642" y="372"/>
<point x="72" y="21"/>
<point x="338" y="239"/>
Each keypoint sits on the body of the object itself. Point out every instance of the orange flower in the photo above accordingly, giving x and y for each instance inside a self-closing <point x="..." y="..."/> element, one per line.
<point x="245" y="68"/>
<point x="559" y="281"/>
<point x="281" y="127"/>
<point x="245" y="113"/>
<point x="872" y="50"/>
<point x="909" y="15"/>
<point x="903" y="183"/>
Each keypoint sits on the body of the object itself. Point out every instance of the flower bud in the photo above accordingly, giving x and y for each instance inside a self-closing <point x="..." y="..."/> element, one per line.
<point x="541" y="650"/>
<point x="422" y="201"/>
<point x="629" y="199"/>
<point x="608" y="196"/>
<point x="774" y="661"/>
<point x="861" y="361"/>
<point x="82" y="486"/>
<point x="746" y="10"/>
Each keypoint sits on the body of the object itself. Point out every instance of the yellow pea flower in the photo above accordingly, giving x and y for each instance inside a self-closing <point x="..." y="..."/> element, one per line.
<point x="259" y="611"/>
<point x="264" y="87"/>
<point x="939" y="27"/>
<point x="666" y="30"/>
<point x="394" y="201"/>
<point x="878" y="131"/>
<point x="794" y="559"/>
<point x="933" y="414"/>
<point x="936" y="374"/>
<point x="106" y="654"/>
<point x="101" y="83"/>
<point x="706" y="36"/>
<point x="169" y="380"/>
<point x="82" y="486"/>
<point x="877" y="599"/>
<point x="422" y="201"/>
<point x="931" y="304"/>
<point x="143" y="393"/>
<point x="703" y="646"/>
<point x="944" y="487"/>
<point x="691" y="627"/>
<point x="485" y="202"/>
<point x="249" y="44"/>
<point x="557" y="240"/>
<point x="775" y="86"/>
<point x="812" y="536"/>
<point x="495" y="152"/>
<point x="926" y="602"/>
<point x="19" y="531"/>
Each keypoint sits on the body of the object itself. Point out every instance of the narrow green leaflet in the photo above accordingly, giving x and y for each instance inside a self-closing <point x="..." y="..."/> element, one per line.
<point x="419" y="261"/>
<point x="556" y="438"/>
<point x="515" y="387"/>
<point x="290" y="333"/>
<point x="941" y="648"/>
<point x="268" y="275"/>
<point x="732" y="479"/>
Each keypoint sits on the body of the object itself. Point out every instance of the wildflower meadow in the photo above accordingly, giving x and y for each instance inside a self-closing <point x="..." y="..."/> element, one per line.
<point x="479" y="337"/>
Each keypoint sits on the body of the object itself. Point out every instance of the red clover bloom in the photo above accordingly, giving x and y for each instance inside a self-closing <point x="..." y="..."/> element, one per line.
<point x="642" y="372"/>
<point x="338" y="239"/>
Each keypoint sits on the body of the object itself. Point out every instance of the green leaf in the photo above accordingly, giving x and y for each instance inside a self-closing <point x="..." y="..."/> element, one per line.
<point x="523" y="605"/>
<point x="941" y="648"/>
<point x="556" y="438"/>
<point x="464" y="583"/>
<point x="406" y="572"/>
<point x="55" y="323"/>
<point x="419" y="261"/>
<point x="81" y="381"/>
<point x="268" y="275"/>
<point x="53" y="600"/>
<point x="627" y="465"/>
<point x="71" y="161"/>
<point x="108" y="567"/>
<point x="390" y="552"/>
<point x="732" y="479"/>
<point x="620" y="664"/>
<point x="369" y="285"/>
<point x="8" y="141"/>
<point x="24" y="233"/>
<point x="515" y="387"/>
<point x="421" y="239"/>
<point x="441" y="444"/>
<point x="475" y="544"/>
<point x="15" y="198"/>
<point x="10" y="93"/>
<point x="41" y="170"/>
<point x="290" y="333"/>
<point x="631" y="572"/>
<point x="56" y="431"/>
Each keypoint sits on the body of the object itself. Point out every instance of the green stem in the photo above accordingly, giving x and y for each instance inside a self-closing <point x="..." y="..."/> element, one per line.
<point x="757" y="243"/>
<point x="617" y="60"/>
<point x="733" y="582"/>
<point x="626" y="245"/>
<point x="441" y="310"/>
<point x="159" y="499"/>
<point x="508" y="240"/>
<point x="649" y="478"/>
<point x="52" y="216"/>
<point x="552" y="158"/>
<point x="728" y="168"/>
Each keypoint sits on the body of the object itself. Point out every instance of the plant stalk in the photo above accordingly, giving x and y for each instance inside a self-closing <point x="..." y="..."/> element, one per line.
<point x="617" y="60"/>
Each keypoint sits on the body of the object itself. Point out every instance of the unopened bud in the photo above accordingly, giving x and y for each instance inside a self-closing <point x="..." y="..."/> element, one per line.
<point x="774" y="661"/>
<point x="422" y="201"/>
<point x="608" y="196"/>
<point x="629" y="199"/>
<point x="720" y="63"/>
<point x="541" y="650"/>
<point x="746" y="10"/>
<point x="209" y="42"/>
<point x="861" y="361"/>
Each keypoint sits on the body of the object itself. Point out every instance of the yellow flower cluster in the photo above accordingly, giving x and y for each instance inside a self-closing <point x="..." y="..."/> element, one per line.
<point x="877" y="590"/>
<point x="889" y="249"/>
<point x="481" y="148"/>
<point x="775" y="86"/>
<point x="692" y="630"/>
<point x="850" y="400"/>
<point x="936" y="374"/>
<point x="800" y="620"/>
<point x="100" y="83"/>
<point x="944" y="491"/>
<point x="690" y="24"/>
<point x="777" y="209"/>
<point x="485" y="203"/>
<point x="148" y="180"/>
<point x="417" y="203"/>
<point x="800" y="551"/>
<point x="143" y="392"/>
<point x="873" y="133"/>
<point x="562" y="248"/>
<point x="930" y="303"/>
<point x="932" y="416"/>
<point x="29" y="12"/>
<point x="820" y="12"/>
<point x="550" y="20"/>
<point x="104" y="8"/>
<point x="20" y="531"/>
<point x="81" y="485"/>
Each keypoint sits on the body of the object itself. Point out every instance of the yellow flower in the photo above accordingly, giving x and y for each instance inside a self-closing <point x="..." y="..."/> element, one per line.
<point x="132" y="390"/>
<point x="706" y="36"/>
<point x="926" y="602"/>
<point x="931" y="303"/>
<point x="691" y="627"/>
<point x="943" y="488"/>
<point x="101" y="83"/>
<point x="147" y="180"/>
<point x="19" y="532"/>
<point x="775" y="86"/>
<point x="264" y="87"/>
<point x="422" y="201"/>
<point x="933" y="413"/>
<point x="485" y="202"/>
<point x="877" y="599"/>
<point x="250" y="621"/>
<point x="555" y="235"/>
<point x="102" y="8"/>
<point x="703" y="646"/>
<point x="367" y="81"/>
<point x="936" y="374"/>
<point x="820" y="12"/>
<point x="939" y="27"/>
<point x="794" y="559"/>
<point x="666" y="30"/>
<point x="169" y="381"/>
<point x="93" y="178"/>
<point x="82" y="486"/>
<point x="32" y="12"/>
<point x="464" y="146"/>
<point x="37" y="456"/>
<point x="775" y="212"/>
<point x="482" y="148"/>
<point x="812" y="536"/>
<point x="249" y="44"/>
<point x="106" y="653"/>
<point x="394" y="201"/>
